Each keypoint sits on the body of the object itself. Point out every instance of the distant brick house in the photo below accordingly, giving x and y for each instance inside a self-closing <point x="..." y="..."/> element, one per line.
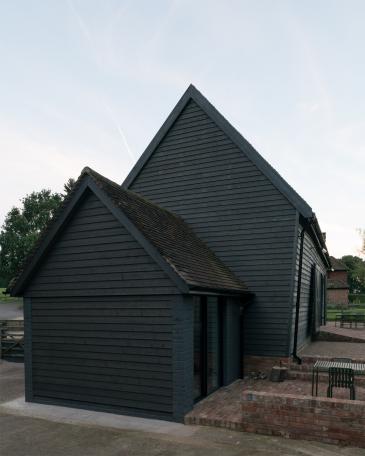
<point x="337" y="284"/>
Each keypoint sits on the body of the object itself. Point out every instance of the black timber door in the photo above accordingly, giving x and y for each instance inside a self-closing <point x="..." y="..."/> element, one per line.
<point x="317" y="301"/>
<point x="208" y="346"/>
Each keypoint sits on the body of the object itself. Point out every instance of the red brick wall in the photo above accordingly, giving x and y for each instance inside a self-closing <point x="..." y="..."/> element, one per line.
<point x="336" y="421"/>
<point x="263" y="363"/>
<point x="338" y="297"/>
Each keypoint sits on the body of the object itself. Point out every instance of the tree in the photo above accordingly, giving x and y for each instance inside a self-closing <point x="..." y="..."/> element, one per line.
<point x="362" y="234"/>
<point x="22" y="228"/>
<point x="69" y="185"/>
<point x="356" y="273"/>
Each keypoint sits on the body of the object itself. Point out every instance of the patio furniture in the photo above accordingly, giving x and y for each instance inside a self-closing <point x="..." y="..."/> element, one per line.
<point x="340" y="377"/>
<point x="324" y="366"/>
<point x="351" y="319"/>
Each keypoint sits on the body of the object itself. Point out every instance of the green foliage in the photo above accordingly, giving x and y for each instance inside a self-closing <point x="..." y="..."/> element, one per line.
<point x="356" y="299"/>
<point x="8" y="299"/>
<point x="69" y="185"/>
<point x="333" y="311"/>
<point x="362" y="235"/>
<point x="22" y="228"/>
<point x="356" y="273"/>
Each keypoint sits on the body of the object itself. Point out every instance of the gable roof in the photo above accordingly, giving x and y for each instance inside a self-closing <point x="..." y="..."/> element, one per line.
<point x="337" y="265"/>
<point x="193" y="94"/>
<point x="185" y="258"/>
<point x="274" y="177"/>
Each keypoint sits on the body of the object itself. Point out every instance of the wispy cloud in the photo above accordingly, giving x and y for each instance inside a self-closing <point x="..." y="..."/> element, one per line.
<point x="120" y="131"/>
<point x="80" y="21"/>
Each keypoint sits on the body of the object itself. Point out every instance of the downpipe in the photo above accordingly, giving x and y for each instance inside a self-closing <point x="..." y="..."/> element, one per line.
<point x="296" y="358"/>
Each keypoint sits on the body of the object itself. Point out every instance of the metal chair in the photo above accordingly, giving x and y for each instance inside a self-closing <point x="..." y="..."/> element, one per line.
<point x="339" y="377"/>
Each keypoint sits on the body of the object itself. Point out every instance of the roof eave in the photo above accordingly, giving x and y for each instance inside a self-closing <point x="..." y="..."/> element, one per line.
<point x="194" y="289"/>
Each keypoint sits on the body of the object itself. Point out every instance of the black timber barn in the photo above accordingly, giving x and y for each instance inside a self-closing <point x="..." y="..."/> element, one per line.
<point x="143" y="298"/>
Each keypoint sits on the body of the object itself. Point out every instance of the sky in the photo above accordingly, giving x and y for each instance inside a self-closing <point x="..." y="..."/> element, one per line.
<point x="89" y="83"/>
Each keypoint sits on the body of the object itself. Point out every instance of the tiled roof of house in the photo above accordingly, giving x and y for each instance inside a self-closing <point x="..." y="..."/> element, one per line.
<point x="171" y="236"/>
<point x="191" y="258"/>
<point x="337" y="265"/>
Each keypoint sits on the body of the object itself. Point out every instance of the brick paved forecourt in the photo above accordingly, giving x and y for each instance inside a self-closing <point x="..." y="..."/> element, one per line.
<point x="285" y="409"/>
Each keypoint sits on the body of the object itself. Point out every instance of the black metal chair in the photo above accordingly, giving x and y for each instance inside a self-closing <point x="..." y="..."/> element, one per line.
<point x="339" y="377"/>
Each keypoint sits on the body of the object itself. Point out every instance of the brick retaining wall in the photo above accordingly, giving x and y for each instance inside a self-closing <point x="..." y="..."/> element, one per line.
<point x="263" y="363"/>
<point x="336" y="421"/>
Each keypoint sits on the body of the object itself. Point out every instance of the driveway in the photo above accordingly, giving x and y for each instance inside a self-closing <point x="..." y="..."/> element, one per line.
<point x="11" y="310"/>
<point x="29" y="436"/>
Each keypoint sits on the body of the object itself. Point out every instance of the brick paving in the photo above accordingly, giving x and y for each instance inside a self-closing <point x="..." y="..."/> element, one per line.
<point x="332" y="332"/>
<point x="335" y="349"/>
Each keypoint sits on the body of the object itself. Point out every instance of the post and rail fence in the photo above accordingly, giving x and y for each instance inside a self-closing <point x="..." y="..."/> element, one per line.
<point x="12" y="340"/>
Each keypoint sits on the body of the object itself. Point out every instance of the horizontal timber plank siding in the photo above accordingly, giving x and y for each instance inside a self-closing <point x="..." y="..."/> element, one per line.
<point x="200" y="174"/>
<point x="109" y="352"/>
<point x="96" y="255"/>
<point x="311" y="259"/>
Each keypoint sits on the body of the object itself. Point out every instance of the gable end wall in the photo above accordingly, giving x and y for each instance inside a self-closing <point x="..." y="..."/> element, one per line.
<point x="95" y="255"/>
<point x="200" y="174"/>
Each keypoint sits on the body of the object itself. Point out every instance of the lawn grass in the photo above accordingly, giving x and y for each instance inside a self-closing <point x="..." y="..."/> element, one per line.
<point x="7" y="298"/>
<point x="332" y="312"/>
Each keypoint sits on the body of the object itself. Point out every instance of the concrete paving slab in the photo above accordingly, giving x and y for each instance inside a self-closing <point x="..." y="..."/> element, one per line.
<point x="93" y="418"/>
<point x="11" y="380"/>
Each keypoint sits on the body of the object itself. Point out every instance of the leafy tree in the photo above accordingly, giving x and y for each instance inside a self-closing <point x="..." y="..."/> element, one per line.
<point x="356" y="273"/>
<point x="362" y="234"/>
<point x="22" y="228"/>
<point x="69" y="185"/>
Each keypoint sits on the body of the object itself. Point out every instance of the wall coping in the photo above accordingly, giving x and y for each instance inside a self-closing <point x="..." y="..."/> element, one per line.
<point x="312" y="401"/>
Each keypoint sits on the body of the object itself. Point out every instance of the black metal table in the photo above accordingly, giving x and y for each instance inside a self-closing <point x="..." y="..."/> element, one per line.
<point x="324" y="366"/>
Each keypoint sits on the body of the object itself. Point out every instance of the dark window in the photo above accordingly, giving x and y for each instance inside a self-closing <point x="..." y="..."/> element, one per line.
<point x="207" y="346"/>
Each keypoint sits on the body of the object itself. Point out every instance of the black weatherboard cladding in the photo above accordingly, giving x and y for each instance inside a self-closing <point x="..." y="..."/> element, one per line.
<point x="197" y="172"/>
<point x="311" y="260"/>
<point x="96" y="255"/>
<point x="101" y="321"/>
<point x="112" y="352"/>
<point x="147" y="230"/>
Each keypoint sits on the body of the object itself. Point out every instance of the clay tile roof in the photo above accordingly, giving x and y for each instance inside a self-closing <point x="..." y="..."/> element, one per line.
<point x="337" y="265"/>
<point x="190" y="257"/>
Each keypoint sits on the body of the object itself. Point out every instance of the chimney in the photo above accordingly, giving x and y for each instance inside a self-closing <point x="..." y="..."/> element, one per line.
<point x="324" y="236"/>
